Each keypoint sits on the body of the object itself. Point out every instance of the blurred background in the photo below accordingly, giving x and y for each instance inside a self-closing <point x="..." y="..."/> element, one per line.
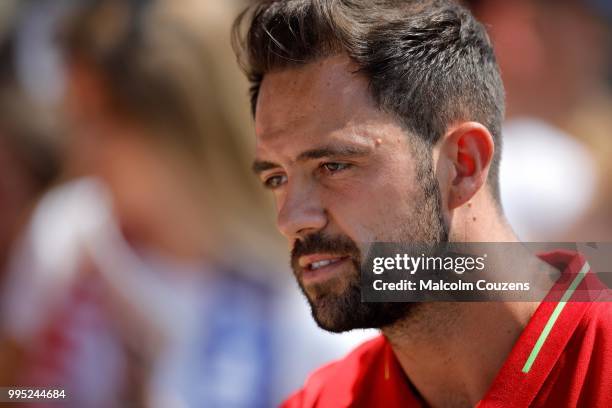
<point x="139" y="264"/>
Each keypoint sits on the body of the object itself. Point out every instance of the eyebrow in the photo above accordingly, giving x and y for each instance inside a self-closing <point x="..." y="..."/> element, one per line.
<point x="333" y="151"/>
<point x="260" y="166"/>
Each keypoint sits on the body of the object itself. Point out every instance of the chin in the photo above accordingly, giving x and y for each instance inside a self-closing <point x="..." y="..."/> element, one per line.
<point x="338" y="313"/>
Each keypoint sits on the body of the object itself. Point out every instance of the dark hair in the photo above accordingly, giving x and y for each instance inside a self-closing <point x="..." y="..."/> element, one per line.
<point x="429" y="63"/>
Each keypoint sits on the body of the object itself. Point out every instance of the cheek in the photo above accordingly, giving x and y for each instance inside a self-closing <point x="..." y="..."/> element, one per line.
<point x="130" y="182"/>
<point x="372" y="208"/>
<point x="140" y="181"/>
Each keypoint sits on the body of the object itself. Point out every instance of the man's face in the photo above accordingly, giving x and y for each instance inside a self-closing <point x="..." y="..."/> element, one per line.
<point x="343" y="175"/>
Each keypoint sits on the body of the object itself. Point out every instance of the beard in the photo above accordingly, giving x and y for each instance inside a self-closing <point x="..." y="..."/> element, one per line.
<point x="336" y="303"/>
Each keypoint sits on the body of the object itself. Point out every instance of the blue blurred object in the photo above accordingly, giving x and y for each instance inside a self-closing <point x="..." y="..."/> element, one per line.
<point x="603" y="7"/>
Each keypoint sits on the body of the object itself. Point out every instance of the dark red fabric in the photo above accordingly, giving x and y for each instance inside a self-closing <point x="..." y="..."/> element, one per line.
<point x="370" y="376"/>
<point x="572" y="369"/>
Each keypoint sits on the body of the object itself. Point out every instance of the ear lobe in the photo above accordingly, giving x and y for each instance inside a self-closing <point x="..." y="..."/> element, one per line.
<point x="474" y="147"/>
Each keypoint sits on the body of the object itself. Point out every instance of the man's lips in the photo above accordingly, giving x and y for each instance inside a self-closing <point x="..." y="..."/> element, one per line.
<point x="318" y="268"/>
<point x="317" y="261"/>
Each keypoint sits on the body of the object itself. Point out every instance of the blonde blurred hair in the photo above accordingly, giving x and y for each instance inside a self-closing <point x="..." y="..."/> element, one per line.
<point x="169" y="64"/>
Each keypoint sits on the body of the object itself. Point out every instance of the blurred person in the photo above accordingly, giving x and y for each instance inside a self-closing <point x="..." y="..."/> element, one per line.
<point x="28" y="159"/>
<point x="153" y="264"/>
<point x="380" y="121"/>
<point x="554" y="57"/>
<point x="35" y="349"/>
<point x="150" y="239"/>
<point x="29" y="164"/>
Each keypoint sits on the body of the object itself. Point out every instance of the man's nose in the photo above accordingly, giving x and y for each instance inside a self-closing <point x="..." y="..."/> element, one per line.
<point x="301" y="212"/>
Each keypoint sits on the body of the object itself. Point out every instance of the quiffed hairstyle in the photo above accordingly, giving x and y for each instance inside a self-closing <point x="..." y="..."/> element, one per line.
<point x="430" y="63"/>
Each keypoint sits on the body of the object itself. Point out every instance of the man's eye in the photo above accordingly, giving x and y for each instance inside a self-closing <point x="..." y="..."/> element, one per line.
<point x="333" y="167"/>
<point x="275" y="181"/>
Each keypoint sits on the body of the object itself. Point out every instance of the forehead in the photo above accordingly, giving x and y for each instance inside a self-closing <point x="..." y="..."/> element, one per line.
<point x="316" y="98"/>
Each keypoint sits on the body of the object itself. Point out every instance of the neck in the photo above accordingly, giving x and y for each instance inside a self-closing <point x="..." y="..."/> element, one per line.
<point x="452" y="351"/>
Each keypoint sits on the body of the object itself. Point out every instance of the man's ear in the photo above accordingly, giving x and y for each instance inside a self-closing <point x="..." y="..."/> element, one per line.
<point x="469" y="148"/>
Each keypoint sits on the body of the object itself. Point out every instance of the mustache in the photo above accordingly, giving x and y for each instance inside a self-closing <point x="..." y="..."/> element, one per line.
<point x="319" y="242"/>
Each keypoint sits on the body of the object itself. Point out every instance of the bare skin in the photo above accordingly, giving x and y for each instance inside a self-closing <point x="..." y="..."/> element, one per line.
<point x="338" y="165"/>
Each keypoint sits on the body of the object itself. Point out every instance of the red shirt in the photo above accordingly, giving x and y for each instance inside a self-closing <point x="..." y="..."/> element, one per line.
<point x="563" y="357"/>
